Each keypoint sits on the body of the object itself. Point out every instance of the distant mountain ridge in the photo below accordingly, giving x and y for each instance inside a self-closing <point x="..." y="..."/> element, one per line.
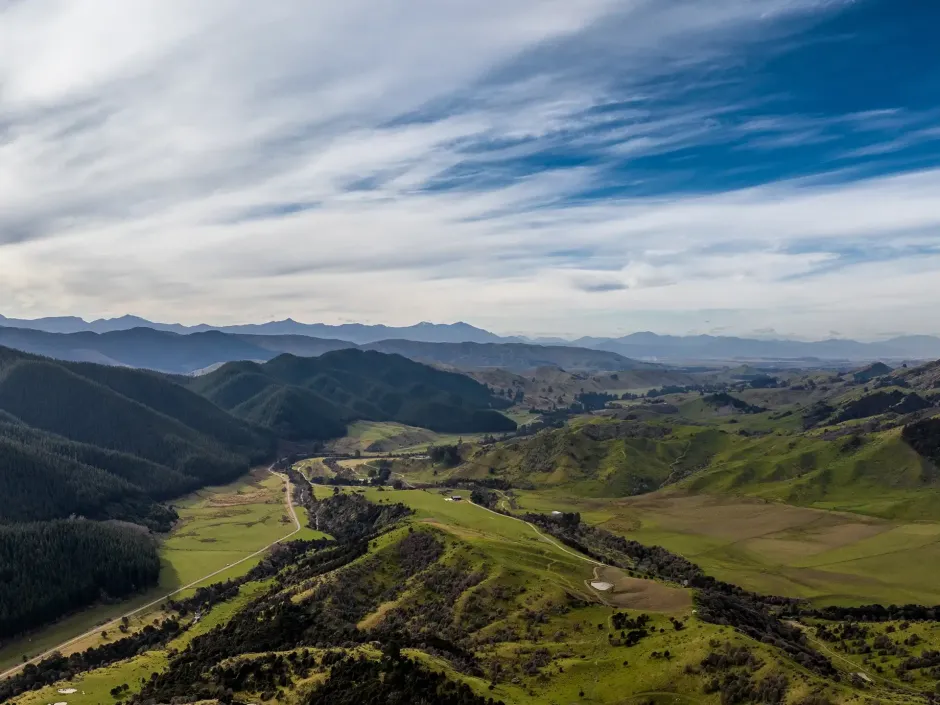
<point x="641" y="345"/>
<point x="358" y="333"/>
<point x="647" y="345"/>
<point x="177" y="353"/>
<point x="510" y="356"/>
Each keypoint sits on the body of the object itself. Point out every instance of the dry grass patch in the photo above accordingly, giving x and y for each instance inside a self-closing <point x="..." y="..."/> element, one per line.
<point x="639" y="593"/>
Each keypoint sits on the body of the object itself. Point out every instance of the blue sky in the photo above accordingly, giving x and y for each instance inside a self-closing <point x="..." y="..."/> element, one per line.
<point x="559" y="167"/>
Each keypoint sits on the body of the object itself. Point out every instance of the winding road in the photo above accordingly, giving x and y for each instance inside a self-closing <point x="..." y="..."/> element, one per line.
<point x="117" y="620"/>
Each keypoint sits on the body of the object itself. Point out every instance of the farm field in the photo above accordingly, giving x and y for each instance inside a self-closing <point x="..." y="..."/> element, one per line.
<point x="827" y="557"/>
<point x="218" y="526"/>
<point x="383" y="437"/>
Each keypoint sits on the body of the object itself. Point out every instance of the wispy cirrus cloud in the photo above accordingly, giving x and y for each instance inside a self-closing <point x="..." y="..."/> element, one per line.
<point x="543" y="166"/>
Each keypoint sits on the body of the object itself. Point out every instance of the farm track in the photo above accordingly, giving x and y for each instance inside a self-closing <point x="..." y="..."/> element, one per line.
<point x="543" y="536"/>
<point x="117" y="620"/>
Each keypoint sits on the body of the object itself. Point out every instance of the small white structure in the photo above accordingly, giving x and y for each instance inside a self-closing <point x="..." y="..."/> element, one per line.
<point x="67" y="691"/>
<point x="556" y="513"/>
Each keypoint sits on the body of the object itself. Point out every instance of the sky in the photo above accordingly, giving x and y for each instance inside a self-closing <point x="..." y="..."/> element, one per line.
<point x="543" y="167"/>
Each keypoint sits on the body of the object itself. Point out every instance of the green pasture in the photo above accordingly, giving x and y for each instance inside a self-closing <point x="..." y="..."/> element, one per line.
<point x="774" y="548"/>
<point x="218" y="527"/>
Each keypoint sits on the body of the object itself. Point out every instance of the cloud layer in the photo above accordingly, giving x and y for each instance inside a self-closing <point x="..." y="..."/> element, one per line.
<point x="552" y="167"/>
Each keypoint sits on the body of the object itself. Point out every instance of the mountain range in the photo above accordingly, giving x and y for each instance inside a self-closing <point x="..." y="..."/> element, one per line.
<point x="358" y="333"/>
<point x="176" y="353"/>
<point x="641" y="345"/>
<point x="709" y="347"/>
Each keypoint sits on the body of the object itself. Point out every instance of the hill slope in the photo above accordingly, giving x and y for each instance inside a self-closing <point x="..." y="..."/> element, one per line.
<point x="891" y="473"/>
<point x="97" y="436"/>
<point x="511" y="356"/>
<point x="420" y="600"/>
<point x="314" y="398"/>
<point x="161" y="350"/>
<point x="82" y="442"/>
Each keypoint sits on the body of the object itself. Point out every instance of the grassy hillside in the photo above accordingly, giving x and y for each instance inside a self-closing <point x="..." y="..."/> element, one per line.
<point x="314" y="398"/>
<point x="456" y="604"/>
<point x="879" y="474"/>
<point x="597" y="459"/>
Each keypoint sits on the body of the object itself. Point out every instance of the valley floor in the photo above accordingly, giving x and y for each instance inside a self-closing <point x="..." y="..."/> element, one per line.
<point x="218" y="527"/>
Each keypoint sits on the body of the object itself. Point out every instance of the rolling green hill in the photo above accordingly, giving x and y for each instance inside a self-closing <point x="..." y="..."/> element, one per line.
<point x="421" y="600"/>
<point x="877" y="473"/>
<point x="600" y="459"/>
<point x="314" y="398"/>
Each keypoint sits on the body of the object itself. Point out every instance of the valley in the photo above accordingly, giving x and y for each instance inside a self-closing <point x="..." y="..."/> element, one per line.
<point x="222" y="533"/>
<point x="466" y="353"/>
<point x="483" y="536"/>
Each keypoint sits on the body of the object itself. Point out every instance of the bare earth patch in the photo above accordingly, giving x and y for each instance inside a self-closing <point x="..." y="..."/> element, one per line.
<point x="638" y="593"/>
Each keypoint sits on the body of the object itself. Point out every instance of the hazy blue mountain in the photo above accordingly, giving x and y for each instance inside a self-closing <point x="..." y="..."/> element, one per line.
<point x="647" y="345"/>
<point x="183" y="354"/>
<point x="641" y="345"/>
<point x="510" y="356"/>
<point x="353" y="332"/>
<point x="362" y="334"/>
<point x="139" y="347"/>
<point x="161" y="350"/>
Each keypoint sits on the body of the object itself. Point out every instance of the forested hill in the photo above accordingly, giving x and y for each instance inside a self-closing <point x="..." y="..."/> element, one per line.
<point x="105" y="442"/>
<point x="83" y="440"/>
<point x="314" y="398"/>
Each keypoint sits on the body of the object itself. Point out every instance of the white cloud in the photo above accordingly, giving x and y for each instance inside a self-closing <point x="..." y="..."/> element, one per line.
<point x="145" y="148"/>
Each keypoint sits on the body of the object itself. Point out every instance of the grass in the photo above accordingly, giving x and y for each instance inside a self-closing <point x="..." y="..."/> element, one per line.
<point x="883" y="477"/>
<point x="218" y="526"/>
<point x="536" y="591"/>
<point x="920" y="637"/>
<point x="770" y="547"/>
<point x="791" y="514"/>
<point x="382" y="437"/>
<point x="94" y="687"/>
